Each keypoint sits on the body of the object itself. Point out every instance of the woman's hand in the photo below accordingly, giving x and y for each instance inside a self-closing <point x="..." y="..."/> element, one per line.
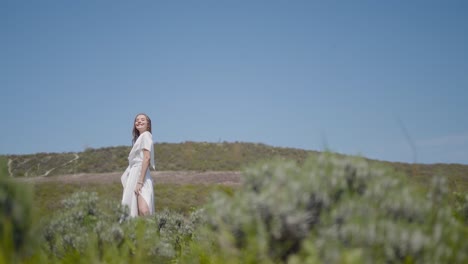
<point x="138" y="188"/>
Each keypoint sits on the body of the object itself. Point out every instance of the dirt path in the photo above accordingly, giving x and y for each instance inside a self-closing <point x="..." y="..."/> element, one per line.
<point x="9" y="167"/>
<point x="231" y="178"/>
<point x="70" y="161"/>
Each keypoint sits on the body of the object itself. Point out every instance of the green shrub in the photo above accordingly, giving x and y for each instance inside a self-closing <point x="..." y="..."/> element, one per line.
<point x="461" y="206"/>
<point x="16" y="221"/>
<point x="86" y="232"/>
<point x="331" y="210"/>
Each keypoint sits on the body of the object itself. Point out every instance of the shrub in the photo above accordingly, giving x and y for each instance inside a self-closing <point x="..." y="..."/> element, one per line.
<point x="86" y="232"/>
<point x="16" y="221"/>
<point x="331" y="210"/>
<point x="461" y="206"/>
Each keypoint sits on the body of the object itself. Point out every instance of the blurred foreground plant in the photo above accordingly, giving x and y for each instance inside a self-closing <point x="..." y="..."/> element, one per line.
<point x="330" y="210"/>
<point x="16" y="221"/>
<point x="461" y="206"/>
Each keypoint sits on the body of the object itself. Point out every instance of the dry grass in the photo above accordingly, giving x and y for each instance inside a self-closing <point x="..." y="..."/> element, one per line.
<point x="177" y="191"/>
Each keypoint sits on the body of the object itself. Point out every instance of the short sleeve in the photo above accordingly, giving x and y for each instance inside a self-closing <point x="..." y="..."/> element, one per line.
<point x="146" y="141"/>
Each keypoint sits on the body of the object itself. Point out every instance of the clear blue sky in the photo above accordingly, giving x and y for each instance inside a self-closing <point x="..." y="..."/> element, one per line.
<point x="356" y="77"/>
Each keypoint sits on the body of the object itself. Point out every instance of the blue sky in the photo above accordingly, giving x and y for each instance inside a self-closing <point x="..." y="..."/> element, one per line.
<point x="372" y="78"/>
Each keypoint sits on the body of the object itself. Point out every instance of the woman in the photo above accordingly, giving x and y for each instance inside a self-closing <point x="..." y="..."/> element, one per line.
<point x="137" y="184"/>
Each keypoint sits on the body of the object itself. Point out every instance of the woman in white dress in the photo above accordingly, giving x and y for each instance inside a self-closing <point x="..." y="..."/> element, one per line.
<point x="138" y="192"/>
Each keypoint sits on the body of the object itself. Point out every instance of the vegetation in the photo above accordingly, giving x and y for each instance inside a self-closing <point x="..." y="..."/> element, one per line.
<point x="333" y="210"/>
<point x="183" y="199"/>
<point x="326" y="209"/>
<point x="182" y="156"/>
<point x="456" y="174"/>
<point x="3" y="166"/>
<point x="16" y="219"/>
<point x="220" y="156"/>
<point x="202" y="157"/>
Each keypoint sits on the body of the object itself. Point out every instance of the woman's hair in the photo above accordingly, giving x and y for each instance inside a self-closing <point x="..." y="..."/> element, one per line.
<point x="135" y="131"/>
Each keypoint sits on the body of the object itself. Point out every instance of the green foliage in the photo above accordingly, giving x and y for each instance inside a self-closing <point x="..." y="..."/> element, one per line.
<point x="3" y="166"/>
<point x="183" y="156"/>
<point x="327" y="209"/>
<point x="456" y="174"/>
<point x="71" y="228"/>
<point x="461" y="206"/>
<point x="219" y="156"/>
<point x="103" y="160"/>
<point x="179" y="198"/>
<point x="16" y="220"/>
<point x="84" y="232"/>
<point x="90" y="160"/>
<point x="201" y="156"/>
<point x="48" y="196"/>
<point x="42" y="164"/>
<point x="184" y="198"/>
<point x="331" y="210"/>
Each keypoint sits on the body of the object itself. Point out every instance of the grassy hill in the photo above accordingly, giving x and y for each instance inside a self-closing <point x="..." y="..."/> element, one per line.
<point x="169" y="156"/>
<point x="199" y="156"/>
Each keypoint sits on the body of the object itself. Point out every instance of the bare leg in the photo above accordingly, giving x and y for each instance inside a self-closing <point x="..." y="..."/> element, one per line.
<point x="143" y="208"/>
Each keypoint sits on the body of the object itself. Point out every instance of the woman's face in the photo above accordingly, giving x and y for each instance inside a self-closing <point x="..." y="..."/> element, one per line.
<point x="141" y="123"/>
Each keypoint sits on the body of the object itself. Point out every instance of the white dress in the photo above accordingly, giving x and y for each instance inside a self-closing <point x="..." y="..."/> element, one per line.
<point x="132" y="175"/>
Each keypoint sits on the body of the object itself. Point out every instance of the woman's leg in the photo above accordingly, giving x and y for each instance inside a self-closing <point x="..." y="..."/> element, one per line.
<point x="143" y="208"/>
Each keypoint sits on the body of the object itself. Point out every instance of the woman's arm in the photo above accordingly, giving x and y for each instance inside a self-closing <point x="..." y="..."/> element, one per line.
<point x="144" y="167"/>
<point x="145" y="164"/>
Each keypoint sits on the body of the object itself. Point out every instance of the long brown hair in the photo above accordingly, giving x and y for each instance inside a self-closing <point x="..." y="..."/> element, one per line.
<point x="135" y="131"/>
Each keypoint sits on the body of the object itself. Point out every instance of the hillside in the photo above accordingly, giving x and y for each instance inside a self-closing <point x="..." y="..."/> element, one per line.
<point x="197" y="156"/>
<point x="169" y="157"/>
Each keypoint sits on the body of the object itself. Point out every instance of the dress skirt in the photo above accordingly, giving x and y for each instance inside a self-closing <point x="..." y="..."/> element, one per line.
<point x="129" y="181"/>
